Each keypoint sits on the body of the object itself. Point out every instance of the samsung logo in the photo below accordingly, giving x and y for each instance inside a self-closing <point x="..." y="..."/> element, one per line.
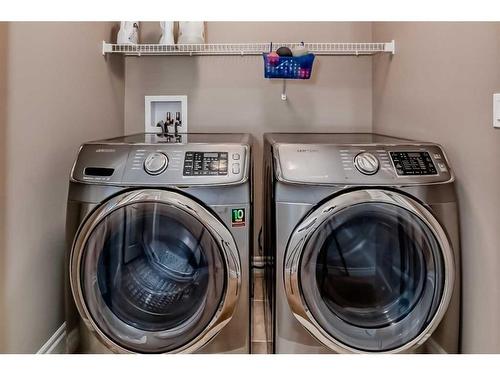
<point x="307" y="150"/>
<point x="105" y="150"/>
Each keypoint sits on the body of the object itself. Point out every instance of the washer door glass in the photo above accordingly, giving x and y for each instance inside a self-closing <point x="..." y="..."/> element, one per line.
<point x="372" y="276"/>
<point x="153" y="277"/>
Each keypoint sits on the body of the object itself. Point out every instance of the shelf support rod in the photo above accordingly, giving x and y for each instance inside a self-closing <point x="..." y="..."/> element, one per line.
<point x="283" y="93"/>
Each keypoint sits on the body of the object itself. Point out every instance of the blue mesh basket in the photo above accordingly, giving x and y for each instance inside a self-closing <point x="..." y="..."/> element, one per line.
<point x="288" y="67"/>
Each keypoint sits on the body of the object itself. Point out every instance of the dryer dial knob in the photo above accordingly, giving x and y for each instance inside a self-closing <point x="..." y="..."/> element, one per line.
<point x="366" y="163"/>
<point x="156" y="163"/>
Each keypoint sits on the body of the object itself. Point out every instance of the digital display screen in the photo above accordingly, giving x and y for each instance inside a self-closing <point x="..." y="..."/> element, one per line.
<point x="413" y="163"/>
<point x="211" y="155"/>
<point x="205" y="163"/>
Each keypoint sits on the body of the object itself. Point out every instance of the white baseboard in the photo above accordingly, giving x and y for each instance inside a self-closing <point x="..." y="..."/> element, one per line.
<point x="56" y="343"/>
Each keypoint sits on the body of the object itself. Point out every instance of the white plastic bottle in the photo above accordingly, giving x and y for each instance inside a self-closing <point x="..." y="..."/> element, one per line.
<point x="191" y="32"/>
<point x="167" y="32"/>
<point x="129" y="33"/>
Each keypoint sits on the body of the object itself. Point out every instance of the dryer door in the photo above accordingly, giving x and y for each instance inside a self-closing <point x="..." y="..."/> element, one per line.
<point x="369" y="271"/>
<point x="153" y="271"/>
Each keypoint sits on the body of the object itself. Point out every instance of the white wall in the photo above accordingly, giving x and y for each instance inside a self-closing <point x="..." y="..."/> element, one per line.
<point x="61" y="92"/>
<point x="438" y="87"/>
<point x="230" y="93"/>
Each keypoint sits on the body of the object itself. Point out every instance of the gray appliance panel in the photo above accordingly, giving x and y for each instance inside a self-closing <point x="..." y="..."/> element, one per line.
<point x="127" y="160"/>
<point x="333" y="164"/>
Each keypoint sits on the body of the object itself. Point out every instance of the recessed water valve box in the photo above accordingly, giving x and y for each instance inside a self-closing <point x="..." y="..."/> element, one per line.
<point x="169" y="110"/>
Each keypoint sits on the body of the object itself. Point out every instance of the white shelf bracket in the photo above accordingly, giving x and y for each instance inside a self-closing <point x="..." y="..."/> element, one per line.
<point x="283" y="93"/>
<point x="106" y="48"/>
<point x="390" y="47"/>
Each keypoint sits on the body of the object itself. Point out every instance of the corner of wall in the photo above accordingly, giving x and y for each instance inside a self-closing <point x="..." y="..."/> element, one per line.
<point x="116" y="66"/>
<point x="3" y="136"/>
<point x="34" y="310"/>
<point x="376" y="66"/>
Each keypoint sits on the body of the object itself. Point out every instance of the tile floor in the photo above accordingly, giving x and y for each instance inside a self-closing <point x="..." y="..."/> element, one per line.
<point x="259" y="340"/>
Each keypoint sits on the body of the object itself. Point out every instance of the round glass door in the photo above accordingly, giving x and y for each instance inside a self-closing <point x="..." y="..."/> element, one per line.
<point x="372" y="274"/>
<point x="152" y="276"/>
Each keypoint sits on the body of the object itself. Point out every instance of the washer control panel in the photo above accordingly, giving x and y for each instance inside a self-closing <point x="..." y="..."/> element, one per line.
<point x="205" y="163"/>
<point x="163" y="164"/>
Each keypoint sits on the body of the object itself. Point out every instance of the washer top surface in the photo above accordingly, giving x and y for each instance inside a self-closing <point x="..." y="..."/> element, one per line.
<point x="151" y="159"/>
<point x="179" y="139"/>
<point x="357" y="159"/>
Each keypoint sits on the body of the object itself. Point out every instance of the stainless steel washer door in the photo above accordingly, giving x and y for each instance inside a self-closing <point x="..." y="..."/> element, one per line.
<point x="369" y="271"/>
<point x="153" y="271"/>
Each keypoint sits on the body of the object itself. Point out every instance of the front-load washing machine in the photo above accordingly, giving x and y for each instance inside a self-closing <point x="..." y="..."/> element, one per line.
<point x="362" y="239"/>
<point x="159" y="236"/>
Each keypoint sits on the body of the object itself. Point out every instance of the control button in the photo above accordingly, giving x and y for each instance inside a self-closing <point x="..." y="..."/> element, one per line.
<point x="366" y="163"/>
<point x="442" y="167"/>
<point x="223" y="166"/>
<point x="236" y="156"/>
<point x="236" y="168"/>
<point x="155" y="163"/>
<point x="437" y="156"/>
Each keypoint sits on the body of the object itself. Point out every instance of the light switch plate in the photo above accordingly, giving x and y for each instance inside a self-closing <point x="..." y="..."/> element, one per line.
<point x="496" y="110"/>
<point x="156" y="108"/>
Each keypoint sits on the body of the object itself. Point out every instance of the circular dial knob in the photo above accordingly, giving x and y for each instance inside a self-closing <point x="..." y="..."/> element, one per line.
<point x="155" y="163"/>
<point x="366" y="163"/>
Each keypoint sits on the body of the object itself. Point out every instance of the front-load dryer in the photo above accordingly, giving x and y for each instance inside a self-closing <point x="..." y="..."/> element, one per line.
<point x="362" y="239"/>
<point x="159" y="238"/>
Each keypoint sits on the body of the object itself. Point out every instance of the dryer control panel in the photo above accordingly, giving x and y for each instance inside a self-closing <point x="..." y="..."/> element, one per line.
<point x="413" y="163"/>
<point x="370" y="164"/>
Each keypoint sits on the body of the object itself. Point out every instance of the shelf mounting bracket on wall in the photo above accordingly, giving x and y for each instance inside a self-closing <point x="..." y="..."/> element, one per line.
<point x="283" y="93"/>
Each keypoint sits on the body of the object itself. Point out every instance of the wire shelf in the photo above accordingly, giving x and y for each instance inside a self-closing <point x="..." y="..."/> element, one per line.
<point x="327" y="49"/>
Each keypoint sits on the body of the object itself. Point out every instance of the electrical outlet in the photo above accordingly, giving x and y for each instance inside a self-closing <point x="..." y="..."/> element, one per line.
<point x="496" y="110"/>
